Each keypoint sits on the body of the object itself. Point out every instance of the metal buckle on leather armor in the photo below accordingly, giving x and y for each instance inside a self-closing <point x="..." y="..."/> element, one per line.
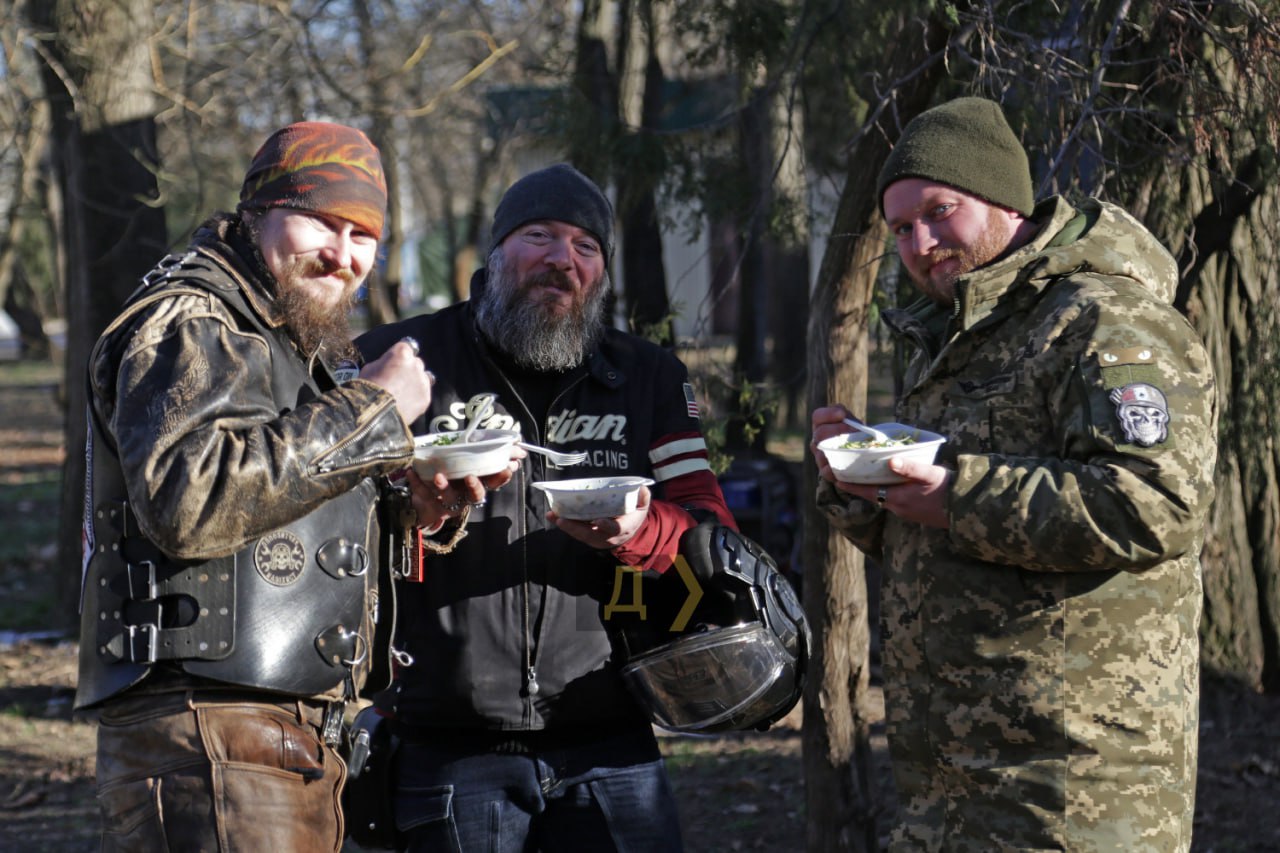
<point x="136" y="645"/>
<point x="164" y="267"/>
<point x="141" y="580"/>
<point x="147" y="600"/>
<point x="117" y="514"/>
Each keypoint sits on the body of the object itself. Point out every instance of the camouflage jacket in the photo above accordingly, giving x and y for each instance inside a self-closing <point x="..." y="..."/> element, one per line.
<point x="1041" y="655"/>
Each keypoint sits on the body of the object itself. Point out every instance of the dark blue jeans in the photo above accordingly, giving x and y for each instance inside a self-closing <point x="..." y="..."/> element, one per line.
<point x="466" y="795"/>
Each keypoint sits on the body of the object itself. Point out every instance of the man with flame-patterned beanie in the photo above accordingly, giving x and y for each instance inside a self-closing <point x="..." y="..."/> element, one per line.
<point x="238" y="467"/>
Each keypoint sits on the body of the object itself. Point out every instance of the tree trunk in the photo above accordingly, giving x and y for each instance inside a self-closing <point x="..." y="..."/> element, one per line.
<point x="840" y="792"/>
<point x="591" y="117"/>
<point x="23" y="307"/>
<point x="1221" y="219"/>
<point x="383" y="287"/>
<point x="638" y="169"/>
<point x="1231" y="296"/>
<point x="16" y="293"/>
<point x="755" y="157"/>
<point x="787" y="266"/>
<point x="104" y="145"/>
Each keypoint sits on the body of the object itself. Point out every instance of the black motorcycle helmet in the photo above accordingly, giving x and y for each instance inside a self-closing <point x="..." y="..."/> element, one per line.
<point x="741" y="663"/>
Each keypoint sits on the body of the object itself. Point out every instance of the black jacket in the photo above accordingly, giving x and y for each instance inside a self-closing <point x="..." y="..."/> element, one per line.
<point x="517" y="592"/>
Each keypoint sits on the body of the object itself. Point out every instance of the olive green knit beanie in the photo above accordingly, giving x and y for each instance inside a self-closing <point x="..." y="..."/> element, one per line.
<point x="967" y="144"/>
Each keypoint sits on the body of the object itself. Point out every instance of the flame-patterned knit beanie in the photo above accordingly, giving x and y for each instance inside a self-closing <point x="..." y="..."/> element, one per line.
<point x="321" y="167"/>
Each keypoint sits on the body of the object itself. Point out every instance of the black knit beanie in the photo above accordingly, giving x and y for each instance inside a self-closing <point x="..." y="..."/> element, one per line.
<point x="560" y="193"/>
<point x="967" y="144"/>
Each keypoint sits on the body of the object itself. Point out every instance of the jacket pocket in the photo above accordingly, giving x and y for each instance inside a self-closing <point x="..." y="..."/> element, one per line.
<point x="990" y="417"/>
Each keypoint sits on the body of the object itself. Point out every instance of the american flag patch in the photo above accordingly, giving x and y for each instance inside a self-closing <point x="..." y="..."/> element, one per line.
<point x="690" y="400"/>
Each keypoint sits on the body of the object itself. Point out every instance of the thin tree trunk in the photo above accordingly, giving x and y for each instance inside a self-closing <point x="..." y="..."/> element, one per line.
<point x="15" y="291"/>
<point x="756" y="156"/>
<point x="104" y="145"/>
<point x="644" y="277"/>
<point x="840" y="792"/>
<point x="593" y="110"/>
<point x="23" y="307"/>
<point x="383" y="287"/>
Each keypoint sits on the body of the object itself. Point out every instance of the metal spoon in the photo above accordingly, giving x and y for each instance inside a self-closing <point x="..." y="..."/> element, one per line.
<point x="875" y="434"/>
<point x="482" y="411"/>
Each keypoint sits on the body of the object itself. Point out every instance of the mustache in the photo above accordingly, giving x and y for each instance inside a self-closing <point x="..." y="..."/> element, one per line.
<point x="549" y="278"/>
<point x="316" y="267"/>
<point x="937" y="256"/>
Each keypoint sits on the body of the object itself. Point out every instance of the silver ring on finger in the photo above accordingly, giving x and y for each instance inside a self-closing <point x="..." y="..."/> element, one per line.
<point x="882" y="495"/>
<point x="457" y="505"/>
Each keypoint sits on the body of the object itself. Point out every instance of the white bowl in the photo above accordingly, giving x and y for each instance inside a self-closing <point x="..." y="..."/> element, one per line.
<point x="593" y="497"/>
<point x="487" y="453"/>
<point x="869" y="466"/>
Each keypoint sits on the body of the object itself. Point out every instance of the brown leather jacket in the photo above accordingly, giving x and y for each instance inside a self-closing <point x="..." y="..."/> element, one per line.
<point x="232" y="454"/>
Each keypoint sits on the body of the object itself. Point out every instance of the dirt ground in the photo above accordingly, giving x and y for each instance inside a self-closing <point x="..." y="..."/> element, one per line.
<point x="742" y="792"/>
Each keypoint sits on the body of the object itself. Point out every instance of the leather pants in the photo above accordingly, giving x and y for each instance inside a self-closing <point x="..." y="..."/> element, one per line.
<point x="217" y="770"/>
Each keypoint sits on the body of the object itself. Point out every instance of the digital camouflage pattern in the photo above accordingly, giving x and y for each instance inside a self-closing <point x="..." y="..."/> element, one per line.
<point x="1041" y="655"/>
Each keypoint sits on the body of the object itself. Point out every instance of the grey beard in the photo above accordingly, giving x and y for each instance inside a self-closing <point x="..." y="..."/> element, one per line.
<point x="532" y="338"/>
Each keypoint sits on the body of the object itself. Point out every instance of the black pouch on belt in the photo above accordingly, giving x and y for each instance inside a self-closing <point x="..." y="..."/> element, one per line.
<point x="367" y="797"/>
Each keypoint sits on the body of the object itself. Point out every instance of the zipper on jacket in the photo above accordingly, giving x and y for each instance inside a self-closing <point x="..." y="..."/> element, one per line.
<point x="530" y="675"/>
<point x="324" y="466"/>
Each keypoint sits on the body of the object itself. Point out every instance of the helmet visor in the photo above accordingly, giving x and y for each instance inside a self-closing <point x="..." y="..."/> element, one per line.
<point x="705" y="681"/>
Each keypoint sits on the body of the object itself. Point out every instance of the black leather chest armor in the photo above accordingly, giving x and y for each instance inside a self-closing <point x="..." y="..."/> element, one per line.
<point x="292" y="612"/>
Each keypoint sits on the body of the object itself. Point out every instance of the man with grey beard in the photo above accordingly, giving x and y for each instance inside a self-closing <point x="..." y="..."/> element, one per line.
<point x="534" y="334"/>
<point x="516" y="729"/>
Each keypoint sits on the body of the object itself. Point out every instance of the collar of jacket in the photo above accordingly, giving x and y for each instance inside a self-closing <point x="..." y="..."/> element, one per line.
<point x="998" y="287"/>
<point x="225" y="245"/>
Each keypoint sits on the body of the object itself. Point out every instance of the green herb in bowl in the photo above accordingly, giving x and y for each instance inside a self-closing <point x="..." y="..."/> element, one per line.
<point x="864" y="444"/>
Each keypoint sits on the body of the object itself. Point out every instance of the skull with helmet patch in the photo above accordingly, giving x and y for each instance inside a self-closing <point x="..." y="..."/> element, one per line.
<point x="1143" y="411"/>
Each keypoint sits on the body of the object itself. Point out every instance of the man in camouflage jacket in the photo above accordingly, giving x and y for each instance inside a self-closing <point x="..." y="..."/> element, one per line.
<point x="1042" y="590"/>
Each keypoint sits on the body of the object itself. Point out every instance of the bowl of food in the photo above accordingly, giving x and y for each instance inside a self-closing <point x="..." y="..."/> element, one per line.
<point x="593" y="497"/>
<point x="856" y="457"/>
<point x="488" y="452"/>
